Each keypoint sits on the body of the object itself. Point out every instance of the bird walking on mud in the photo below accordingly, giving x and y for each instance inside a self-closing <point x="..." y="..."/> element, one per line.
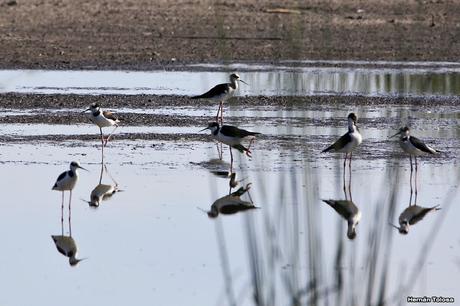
<point x="349" y="141"/>
<point x="102" y="119"/>
<point x="231" y="136"/>
<point x="412" y="215"/>
<point x="414" y="147"/>
<point x="221" y="93"/>
<point x="66" y="182"/>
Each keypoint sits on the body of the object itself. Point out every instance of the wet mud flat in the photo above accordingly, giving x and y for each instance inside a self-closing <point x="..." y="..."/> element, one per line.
<point x="143" y="34"/>
<point x="289" y="124"/>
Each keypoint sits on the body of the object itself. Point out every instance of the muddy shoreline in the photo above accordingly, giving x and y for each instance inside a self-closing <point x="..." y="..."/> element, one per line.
<point x="147" y="35"/>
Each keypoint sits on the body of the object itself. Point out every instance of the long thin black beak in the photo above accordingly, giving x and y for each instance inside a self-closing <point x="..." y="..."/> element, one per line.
<point x="243" y="82"/>
<point x="85" y="110"/>
<point x="395" y="135"/>
<point x="394" y="226"/>
<point x="82" y="168"/>
<point x="203" y="129"/>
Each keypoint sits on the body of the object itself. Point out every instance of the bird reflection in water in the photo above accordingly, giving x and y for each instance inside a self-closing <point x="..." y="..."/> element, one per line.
<point x="103" y="192"/>
<point x="347" y="209"/>
<point x="232" y="203"/>
<point x="65" y="244"/>
<point x="412" y="215"/>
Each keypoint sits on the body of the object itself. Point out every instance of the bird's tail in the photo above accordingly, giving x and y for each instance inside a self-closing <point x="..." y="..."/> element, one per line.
<point x="327" y="149"/>
<point x="327" y="201"/>
<point x="242" y="149"/>
<point x="196" y="97"/>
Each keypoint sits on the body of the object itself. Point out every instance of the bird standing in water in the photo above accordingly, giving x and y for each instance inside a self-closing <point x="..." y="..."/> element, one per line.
<point x="231" y="136"/>
<point x="102" y="119"/>
<point x="349" y="141"/>
<point x="66" y="182"/>
<point x="221" y="93"/>
<point x="414" y="147"/>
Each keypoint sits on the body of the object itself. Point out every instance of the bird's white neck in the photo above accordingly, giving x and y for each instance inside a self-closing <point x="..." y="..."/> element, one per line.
<point x="351" y="126"/>
<point x="234" y="83"/>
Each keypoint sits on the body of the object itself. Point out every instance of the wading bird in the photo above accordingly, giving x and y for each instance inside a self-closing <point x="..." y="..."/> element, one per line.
<point x="349" y="141"/>
<point x="66" y="182"/>
<point x="414" y="147"/>
<point x="231" y="136"/>
<point x="102" y="119"/>
<point x="221" y="93"/>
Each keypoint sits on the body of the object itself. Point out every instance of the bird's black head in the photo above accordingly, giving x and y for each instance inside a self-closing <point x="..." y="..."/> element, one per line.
<point x="234" y="76"/>
<point x="74" y="164"/>
<point x="213" y="125"/>
<point x="353" y="117"/>
<point x="404" y="129"/>
<point x="351" y="235"/>
<point x="94" y="106"/>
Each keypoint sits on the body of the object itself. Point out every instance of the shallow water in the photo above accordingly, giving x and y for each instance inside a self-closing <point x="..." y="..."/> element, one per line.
<point x="297" y="78"/>
<point x="153" y="242"/>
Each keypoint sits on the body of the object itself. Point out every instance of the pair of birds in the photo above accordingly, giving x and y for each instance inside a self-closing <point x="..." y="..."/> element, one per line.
<point x="409" y="144"/>
<point x="350" y="140"/>
<point x="67" y="180"/>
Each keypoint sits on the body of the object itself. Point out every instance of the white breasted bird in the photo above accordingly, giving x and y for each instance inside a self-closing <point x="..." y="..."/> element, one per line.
<point x="349" y="141"/>
<point x="222" y="92"/>
<point x="412" y="145"/>
<point x="412" y="215"/>
<point x="102" y="119"/>
<point x="231" y="136"/>
<point x="349" y="211"/>
<point x="66" y="182"/>
<point x="66" y="246"/>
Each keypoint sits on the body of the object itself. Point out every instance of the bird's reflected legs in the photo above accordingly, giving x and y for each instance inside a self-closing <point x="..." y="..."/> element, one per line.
<point x="416" y="173"/>
<point x="411" y="174"/>
<point x="231" y="159"/>
<point x="70" y="213"/>
<point x="62" y="215"/>
<point x="110" y="135"/>
<point x="344" y="175"/>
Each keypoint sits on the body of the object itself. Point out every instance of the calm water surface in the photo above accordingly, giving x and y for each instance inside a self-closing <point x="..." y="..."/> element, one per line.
<point x="152" y="243"/>
<point x="299" y="78"/>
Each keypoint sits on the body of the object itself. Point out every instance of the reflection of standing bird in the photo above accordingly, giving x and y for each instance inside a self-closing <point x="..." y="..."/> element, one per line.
<point x="66" y="246"/>
<point x="222" y="92"/>
<point x="412" y="215"/>
<point x="349" y="211"/>
<point x="101" y="193"/>
<point x="349" y="141"/>
<point x="102" y="119"/>
<point x="231" y="204"/>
